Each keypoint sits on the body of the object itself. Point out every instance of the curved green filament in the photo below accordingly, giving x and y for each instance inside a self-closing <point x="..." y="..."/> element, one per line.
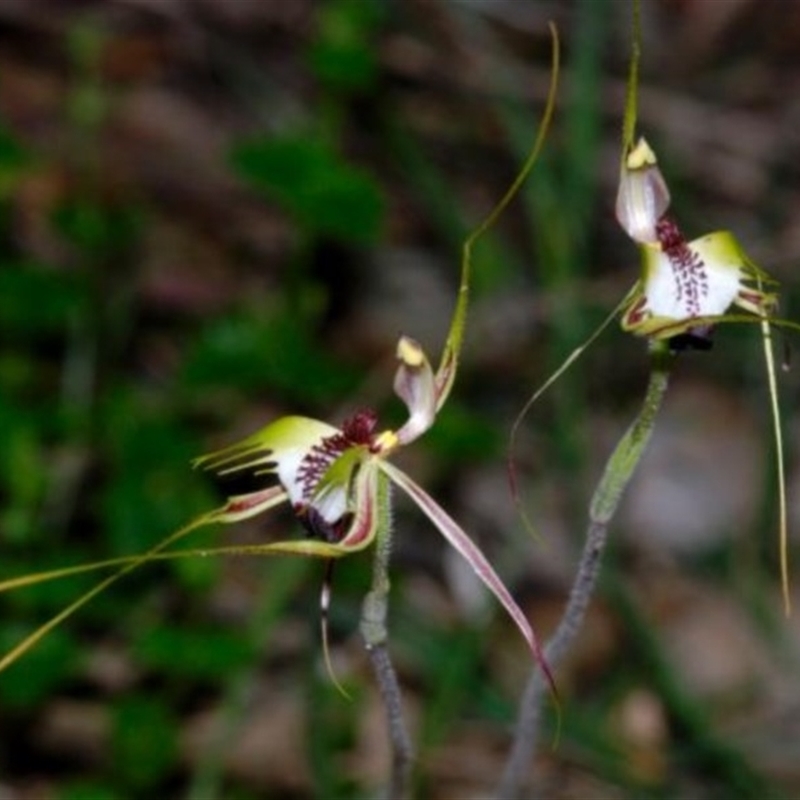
<point x="563" y="367"/>
<point x="783" y="525"/>
<point x="632" y="88"/>
<point x="445" y="374"/>
<point x="129" y="564"/>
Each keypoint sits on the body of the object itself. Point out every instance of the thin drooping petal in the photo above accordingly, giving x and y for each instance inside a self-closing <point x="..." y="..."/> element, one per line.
<point x="244" y="506"/>
<point x="125" y="567"/>
<point x="414" y="384"/>
<point x="459" y="540"/>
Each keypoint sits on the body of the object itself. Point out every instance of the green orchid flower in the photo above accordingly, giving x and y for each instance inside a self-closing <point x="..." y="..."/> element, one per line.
<point x="685" y="290"/>
<point x="334" y="478"/>
<point x="687" y="287"/>
<point x="330" y="477"/>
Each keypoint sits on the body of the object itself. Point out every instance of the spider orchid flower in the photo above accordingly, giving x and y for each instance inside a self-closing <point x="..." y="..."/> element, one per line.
<point x="333" y="478"/>
<point x="685" y="285"/>
<point x="330" y="478"/>
<point x="688" y="286"/>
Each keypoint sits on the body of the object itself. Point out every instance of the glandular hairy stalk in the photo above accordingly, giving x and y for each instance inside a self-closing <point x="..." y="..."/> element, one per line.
<point x="605" y="501"/>
<point x="375" y="635"/>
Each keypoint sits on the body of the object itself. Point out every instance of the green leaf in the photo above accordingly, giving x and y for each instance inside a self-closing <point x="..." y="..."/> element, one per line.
<point x="14" y="162"/>
<point x="343" y="56"/>
<point x="326" y="195"/>
<point x="274" y="349"/>
<point x="203" y="654"/>
<point x="88" y="790"/>
<point x="23" y="476"/>
<point x="98" y="229"/>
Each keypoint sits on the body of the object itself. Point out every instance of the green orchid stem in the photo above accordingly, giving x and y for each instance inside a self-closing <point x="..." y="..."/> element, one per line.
<point x="374" y="632"/>
<point x="625" y="458"/>
<point x="632" y="90"/>
<point x="605" y="501"/>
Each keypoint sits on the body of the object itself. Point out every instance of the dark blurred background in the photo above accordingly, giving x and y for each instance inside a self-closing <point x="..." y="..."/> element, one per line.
<point x="216" y="212"/>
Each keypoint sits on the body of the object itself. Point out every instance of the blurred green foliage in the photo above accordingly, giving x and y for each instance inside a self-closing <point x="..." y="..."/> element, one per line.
<point x="325" y="195"/>
<point x="144" y="741"/>
<point x="342" y="54"/>
<point x="240" y="350"/>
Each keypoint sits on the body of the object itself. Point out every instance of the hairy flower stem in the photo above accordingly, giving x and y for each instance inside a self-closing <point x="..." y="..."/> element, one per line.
<point x="618" y="472"/>
<point x="374" y="634"/>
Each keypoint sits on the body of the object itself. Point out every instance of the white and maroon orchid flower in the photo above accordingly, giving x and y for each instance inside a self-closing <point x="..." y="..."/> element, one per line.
<point x="330" y="477"/>
<point x="686" y="285"/>
<point x="334" y="478"/>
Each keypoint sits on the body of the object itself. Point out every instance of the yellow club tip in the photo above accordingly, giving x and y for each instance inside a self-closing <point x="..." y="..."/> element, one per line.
<point x="642" y="156"/>
<point x="386" y="441"/>
<point x="410" y="352"/>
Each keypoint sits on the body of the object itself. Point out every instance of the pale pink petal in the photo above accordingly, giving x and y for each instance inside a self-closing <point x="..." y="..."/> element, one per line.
<point x="458" y="538"/>
<point x="415" y="386"/>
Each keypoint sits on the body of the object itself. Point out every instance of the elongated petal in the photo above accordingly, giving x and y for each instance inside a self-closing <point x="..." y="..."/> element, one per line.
<point x="458" y="539"/>
<point x="124" y="567"/>
<point x="291" y="547"/>
<point x="244" y="506"/>
<point x="299" y="547"/>
<point x="414" y="384"/>
<point x="643" y="196"/>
